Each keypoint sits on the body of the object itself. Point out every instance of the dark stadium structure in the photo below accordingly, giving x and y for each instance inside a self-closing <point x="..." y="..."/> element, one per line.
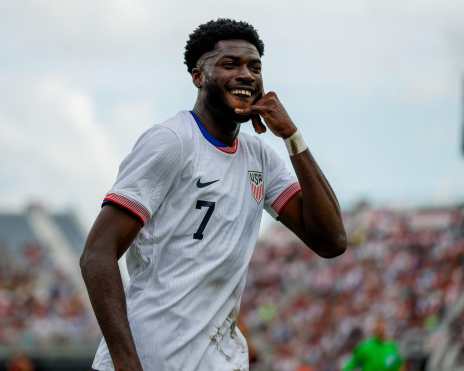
<point x="44" y="311"/>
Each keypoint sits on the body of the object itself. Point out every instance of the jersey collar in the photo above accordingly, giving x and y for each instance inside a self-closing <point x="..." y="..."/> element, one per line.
<point x="215" y="142"/>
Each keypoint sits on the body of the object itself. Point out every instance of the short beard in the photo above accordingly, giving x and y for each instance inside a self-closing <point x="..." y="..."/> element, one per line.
<point x="216" y="103"/>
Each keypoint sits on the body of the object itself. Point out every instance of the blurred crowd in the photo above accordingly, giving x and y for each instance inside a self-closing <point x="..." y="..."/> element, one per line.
<point x="301" y="312"/>
<point x="40" y="307"/>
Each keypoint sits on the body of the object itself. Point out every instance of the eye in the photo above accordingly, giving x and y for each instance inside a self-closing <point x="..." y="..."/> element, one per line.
<point x="256" y="68"/>
<point x="228" y="65"/>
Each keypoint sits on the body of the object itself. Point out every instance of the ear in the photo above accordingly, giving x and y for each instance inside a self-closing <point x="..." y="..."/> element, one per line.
<point x="197" y="77"/>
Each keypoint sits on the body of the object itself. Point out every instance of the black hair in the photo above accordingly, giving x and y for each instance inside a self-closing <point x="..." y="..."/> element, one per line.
<point x="204" y="38"/>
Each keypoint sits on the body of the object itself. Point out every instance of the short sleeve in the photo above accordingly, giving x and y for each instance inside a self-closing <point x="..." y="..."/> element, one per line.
<point x="147" y="173"/>
<point x="281" y="185"/>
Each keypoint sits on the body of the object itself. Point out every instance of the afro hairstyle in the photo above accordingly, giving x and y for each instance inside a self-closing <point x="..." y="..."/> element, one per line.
<point x="204" y="38"/>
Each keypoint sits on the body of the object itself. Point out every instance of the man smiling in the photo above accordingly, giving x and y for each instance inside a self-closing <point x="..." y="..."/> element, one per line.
<point x="187" y="205"/>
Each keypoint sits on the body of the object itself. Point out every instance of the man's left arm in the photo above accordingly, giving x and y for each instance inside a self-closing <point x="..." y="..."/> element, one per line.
<point x="313" y="214"/>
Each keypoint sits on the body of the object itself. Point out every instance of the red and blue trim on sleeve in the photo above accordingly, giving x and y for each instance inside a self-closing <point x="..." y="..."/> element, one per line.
<point x="282" y="200"/>
<point x="133" y="207"/>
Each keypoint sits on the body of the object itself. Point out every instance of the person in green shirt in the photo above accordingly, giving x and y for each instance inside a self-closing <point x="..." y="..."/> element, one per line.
<point x="376" y="353"/>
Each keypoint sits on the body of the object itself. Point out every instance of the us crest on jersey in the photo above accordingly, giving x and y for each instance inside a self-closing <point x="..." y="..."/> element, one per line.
<point x="257" y="185"/>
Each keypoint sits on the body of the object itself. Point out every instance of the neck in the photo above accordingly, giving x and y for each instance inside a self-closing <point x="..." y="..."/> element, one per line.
<point x="219" y="125"/>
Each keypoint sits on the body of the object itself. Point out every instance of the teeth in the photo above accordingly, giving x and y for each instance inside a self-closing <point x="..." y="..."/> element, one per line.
<point x="241" y="92"/>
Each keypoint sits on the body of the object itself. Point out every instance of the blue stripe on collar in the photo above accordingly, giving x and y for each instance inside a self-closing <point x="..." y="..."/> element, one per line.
<point x="206" y="134"/>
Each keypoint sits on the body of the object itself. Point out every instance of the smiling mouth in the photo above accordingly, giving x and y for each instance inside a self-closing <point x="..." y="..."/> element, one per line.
<point x="243" y="93"/>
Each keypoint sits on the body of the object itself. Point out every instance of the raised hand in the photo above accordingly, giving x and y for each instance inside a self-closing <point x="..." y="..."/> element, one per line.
<point x="274" y="114"/>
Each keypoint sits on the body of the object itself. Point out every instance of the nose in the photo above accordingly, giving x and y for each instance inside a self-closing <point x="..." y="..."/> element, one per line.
<point x="245" y="75"/>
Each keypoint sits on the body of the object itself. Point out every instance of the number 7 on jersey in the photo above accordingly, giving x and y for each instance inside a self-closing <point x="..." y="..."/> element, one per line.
<point x="198" y="235"/>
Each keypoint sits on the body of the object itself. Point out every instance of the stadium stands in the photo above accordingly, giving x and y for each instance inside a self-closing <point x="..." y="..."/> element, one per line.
<point x="301" y="312"/>
<point x="404" y="266"/>
<point x="43" y="307"/>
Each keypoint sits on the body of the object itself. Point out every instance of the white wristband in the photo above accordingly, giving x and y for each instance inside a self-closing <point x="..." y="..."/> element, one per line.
<point x="295" y="143"/>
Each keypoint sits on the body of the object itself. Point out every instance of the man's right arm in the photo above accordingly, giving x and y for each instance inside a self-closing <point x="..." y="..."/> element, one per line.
<point x="110" y="236"/>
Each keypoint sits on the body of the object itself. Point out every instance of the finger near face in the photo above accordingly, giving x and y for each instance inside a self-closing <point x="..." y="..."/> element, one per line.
<point x="258" y="124"/>
<point x="260" y="93"/>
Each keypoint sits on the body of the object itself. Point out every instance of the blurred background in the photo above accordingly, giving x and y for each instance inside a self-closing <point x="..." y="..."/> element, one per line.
<point x="376" y="87"/>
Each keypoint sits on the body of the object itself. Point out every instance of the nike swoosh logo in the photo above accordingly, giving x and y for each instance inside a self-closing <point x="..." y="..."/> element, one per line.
<point x="206" y="184"/>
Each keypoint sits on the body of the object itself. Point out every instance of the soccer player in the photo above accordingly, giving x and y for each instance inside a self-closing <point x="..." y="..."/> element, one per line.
<point x="187" y="205"/>
<point x="376" y="353"/>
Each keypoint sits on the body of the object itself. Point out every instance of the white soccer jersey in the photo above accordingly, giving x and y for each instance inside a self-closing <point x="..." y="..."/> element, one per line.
<point x="201" y="205"/>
